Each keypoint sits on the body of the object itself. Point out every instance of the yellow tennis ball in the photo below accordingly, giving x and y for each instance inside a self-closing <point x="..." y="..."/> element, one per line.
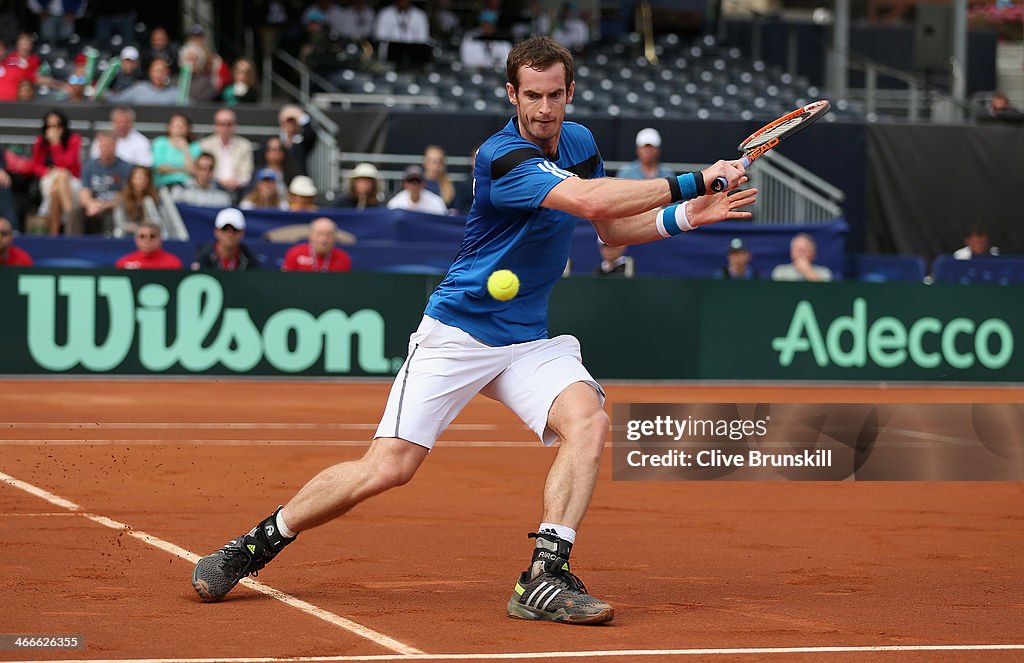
<point x="503" y="285"/>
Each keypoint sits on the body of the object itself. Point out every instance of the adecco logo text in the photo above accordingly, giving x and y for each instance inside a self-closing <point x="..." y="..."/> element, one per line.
<point x="888" y="342"/>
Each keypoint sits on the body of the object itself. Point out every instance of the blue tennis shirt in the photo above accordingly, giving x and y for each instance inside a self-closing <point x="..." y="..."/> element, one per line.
<point x="507" y="229"/>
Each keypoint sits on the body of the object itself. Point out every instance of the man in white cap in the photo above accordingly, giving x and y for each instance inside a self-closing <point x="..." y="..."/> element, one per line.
<point x="647" y="165"/>
<point x="226" y="252"/>
<point x="130" y="71"/>
<point x="414" y="195"/>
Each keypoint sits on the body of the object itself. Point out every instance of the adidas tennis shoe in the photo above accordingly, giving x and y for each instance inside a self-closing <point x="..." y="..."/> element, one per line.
<point x="216" y="574"/>
<point x="549" y="591"/>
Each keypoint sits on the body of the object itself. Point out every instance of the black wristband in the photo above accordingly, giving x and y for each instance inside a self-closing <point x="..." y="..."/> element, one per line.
<point x="698" y="179"/>
<point x="673" y="187"/>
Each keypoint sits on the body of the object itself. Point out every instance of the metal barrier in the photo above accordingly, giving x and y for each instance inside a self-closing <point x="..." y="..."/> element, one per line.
<point x="789" y="192"/>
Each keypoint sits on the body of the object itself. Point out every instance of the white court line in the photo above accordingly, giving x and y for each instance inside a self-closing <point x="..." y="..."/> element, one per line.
<point x="47" y="515"/>
<point x="308" y="608"/>
<point x="736" y="651"/>
<point x="249" y="442"/>
<point x="180" y="425"/>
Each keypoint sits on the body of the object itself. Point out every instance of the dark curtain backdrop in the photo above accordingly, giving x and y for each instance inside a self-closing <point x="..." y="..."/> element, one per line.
<point x="927" y="184"/>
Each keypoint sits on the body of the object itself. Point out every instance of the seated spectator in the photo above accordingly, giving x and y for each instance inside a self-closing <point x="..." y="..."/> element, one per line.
<point x="160" y="46"/>
<point x="435" y="174"/>
<point x="403" y="31"/>
<point x="976" y="244"/>
<point x="332" y="16"/>
<point x="156" y="91"/>
<point x="10" y="77"/>
<point x="149" y="253"/>
<point x="802" y="251"/>
<point x="302" y="194"/>
<point x="298" y="135"/>
<point x="130" y="72"/>
<point x="482" y="48"/>
<point x="227" y="252"/>
<point x="1000" y="110"/>
<point x="8" y="205"/>
<point x="56" y="162"/>
<point x="233" y="153"/>
<point x="738" y="265"/>
<point x="614" y="262"/>
<point x="203" y="80"/>
<point x="363" y="188"/>
<point x="265" y="194"/>
<point x="201" y="190"/>
<point x="214" y="65"/>
<point x="242" y="88"/>
<point x="356" y="21"/>
<point x="26" y="91"/>
<point x="25" y="61"/>
<point x="414" y="195"/>
<point x="174" y="154"/>
<point x="132" y="146"/>
<point x="74" y="89"/>
<point x="274" y="157"/>
<point x="102" y="181"/>
<point x="318" y="254"/>
<point x="445" y="25"/>
<point x="137" y="203"/>
<point x="11" y="255"/>
<point x="570" y="30"/>
<point x="317" y="50"/>
<point x="648" y="162"/>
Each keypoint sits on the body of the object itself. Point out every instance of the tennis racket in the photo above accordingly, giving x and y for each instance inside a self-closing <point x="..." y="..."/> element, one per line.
<point x="774" y="133"/>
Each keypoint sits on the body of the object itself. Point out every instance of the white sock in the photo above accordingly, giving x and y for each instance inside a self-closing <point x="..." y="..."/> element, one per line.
<point x="561" y="531"/>
<point x="282" y="527"/>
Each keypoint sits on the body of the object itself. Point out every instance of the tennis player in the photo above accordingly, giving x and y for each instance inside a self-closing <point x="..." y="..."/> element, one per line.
<point x="533" y="181"/>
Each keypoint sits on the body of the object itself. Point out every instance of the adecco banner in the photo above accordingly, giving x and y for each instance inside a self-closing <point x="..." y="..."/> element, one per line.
<point x="180" y="323"/>
<point x="854" y="331"/>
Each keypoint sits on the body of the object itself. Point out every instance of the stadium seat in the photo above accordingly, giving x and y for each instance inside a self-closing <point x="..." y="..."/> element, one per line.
<point x="872" y="268"/>
<point x="1004" y="270"/>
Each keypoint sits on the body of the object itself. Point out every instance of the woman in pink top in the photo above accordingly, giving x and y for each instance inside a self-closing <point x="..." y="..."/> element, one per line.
<point x="57" y="162"/>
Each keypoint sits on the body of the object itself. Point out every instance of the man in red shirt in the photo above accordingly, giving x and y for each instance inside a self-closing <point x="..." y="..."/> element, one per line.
<point x="318" y="254"/>
<point x="150" y="254"/>
<point x="10" y="255"/>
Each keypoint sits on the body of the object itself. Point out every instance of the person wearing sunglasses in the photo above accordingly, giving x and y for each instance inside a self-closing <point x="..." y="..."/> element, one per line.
<point x="149" y="253"/>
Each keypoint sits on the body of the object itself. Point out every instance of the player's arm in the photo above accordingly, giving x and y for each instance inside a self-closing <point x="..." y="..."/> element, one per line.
<point x="609" y="198"/>
<point x="648" y="227"/>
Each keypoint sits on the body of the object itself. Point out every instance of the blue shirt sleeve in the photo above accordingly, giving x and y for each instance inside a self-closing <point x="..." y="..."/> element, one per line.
<point x="525" y="186"/>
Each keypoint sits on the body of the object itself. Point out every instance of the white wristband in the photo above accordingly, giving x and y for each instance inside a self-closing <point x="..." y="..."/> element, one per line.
<point x="672" y="221"/>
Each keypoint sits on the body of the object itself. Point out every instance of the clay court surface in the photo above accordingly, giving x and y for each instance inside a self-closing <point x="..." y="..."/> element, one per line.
<point x="112" y="488"/>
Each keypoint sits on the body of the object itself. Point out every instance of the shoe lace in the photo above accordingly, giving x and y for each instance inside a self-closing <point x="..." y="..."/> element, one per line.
<point x="569" y="580"/>
<point x="239" y="562"/>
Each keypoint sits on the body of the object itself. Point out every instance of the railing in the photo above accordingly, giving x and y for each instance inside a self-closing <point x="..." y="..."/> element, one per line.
<point x="789" y="193"/>
<point x="323" y="166"/>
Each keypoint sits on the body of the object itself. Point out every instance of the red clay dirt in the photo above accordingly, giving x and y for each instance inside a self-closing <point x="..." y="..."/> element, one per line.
<point x="687" y="565"/>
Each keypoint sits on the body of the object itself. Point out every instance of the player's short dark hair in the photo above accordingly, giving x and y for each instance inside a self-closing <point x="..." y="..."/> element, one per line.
<point x="538" y="53"/>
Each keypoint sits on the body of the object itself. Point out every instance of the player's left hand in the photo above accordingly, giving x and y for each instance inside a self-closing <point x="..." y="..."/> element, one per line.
<point x="725" y="206"/>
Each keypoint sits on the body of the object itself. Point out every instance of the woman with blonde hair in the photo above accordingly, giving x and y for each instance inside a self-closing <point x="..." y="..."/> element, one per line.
<point x="242" y="88"/>
<point x="137" y="203"/>
<point x="435" y="172"/>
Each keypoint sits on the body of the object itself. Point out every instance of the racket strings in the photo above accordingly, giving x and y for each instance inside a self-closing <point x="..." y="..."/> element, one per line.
<point x="777" y="130"/>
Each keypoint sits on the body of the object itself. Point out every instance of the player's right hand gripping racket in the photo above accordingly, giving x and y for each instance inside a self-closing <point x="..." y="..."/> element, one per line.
<point x="774" y="133"/>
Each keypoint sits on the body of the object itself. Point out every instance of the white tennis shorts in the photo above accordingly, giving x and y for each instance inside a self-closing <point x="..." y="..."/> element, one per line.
<point x="446" y="367"/>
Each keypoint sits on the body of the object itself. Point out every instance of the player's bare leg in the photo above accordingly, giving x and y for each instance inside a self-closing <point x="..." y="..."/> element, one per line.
<point x="548" y="590"/>
<point x="389" y="462"/>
